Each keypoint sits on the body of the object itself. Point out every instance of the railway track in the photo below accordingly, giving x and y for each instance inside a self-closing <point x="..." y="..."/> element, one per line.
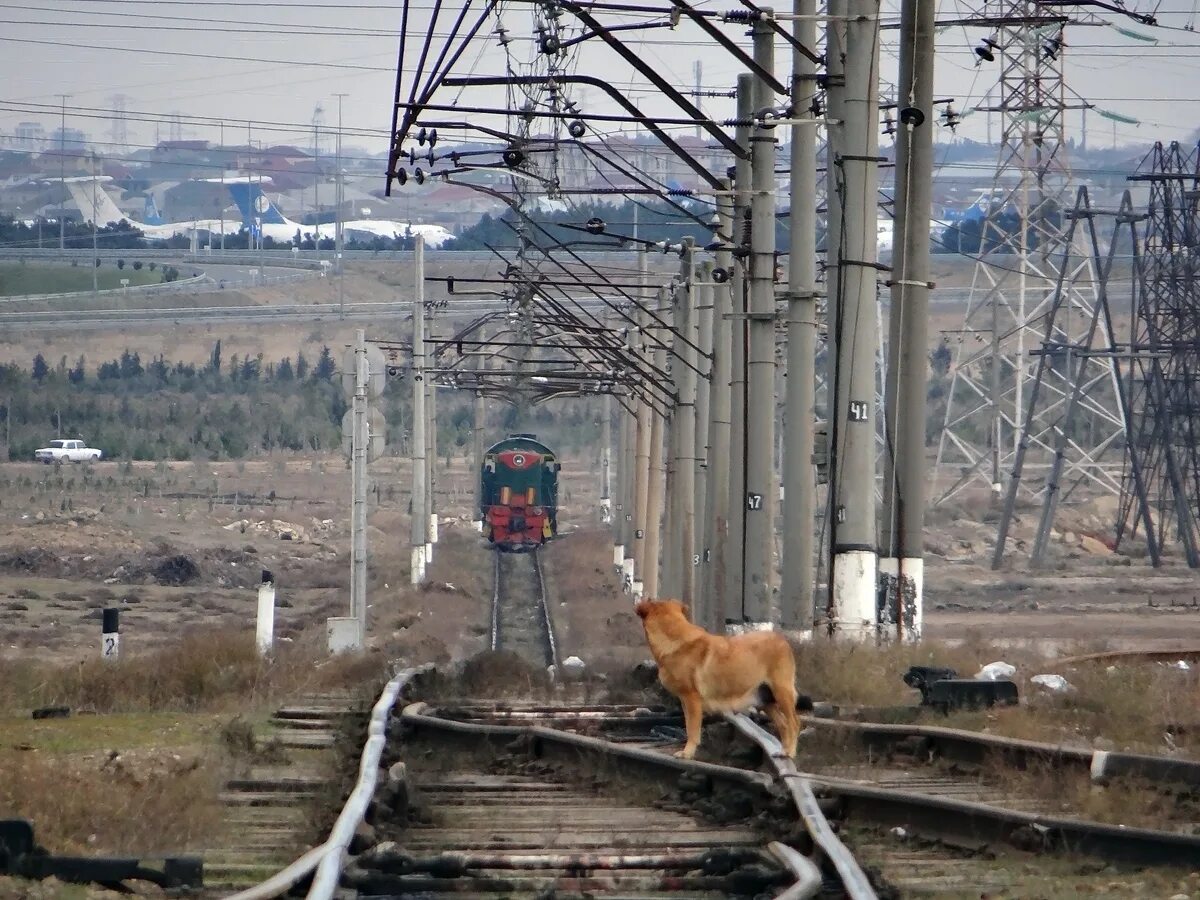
<point x="539" y="789"/>
<point x="521" y="621"/>
<point x="577" y="793"/>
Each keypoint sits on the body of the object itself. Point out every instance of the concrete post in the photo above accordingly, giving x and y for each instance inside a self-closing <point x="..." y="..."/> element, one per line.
<point x="264" y="632"/>
<point x="431" y="456"/>
<point x="854" y="548"/>
<point x="619" y="525"/>
<point x="902" y="566"/>
<point x="358" y="480"/>
<point x="110" y="634"/>
<point x="478" y="424"/>
<point x="684" y="488"/>
<point x="606" y="456"/>
<point x="716" y="504"/>
<point x="799" y="485"/>
<point x="703" y="308"/>
<point x="654" y="498"/>
<point x="758" y="588"/>
<point x="671" y="577"/>
<point x="642" y="474"/>
<point x="735" y="548"/>
<point x="420" y="491"/>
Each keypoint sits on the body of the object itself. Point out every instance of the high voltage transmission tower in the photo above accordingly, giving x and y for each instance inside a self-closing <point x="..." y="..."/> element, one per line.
<point x="1160" y="493"/>
<point x="1019" y="270"/>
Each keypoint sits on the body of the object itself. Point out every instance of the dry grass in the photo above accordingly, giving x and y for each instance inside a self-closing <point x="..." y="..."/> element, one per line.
<point x="89" y="806"/>
<point x="1129" y="802"/>
<point x="1132" y="707"/>
<point x="861" y="674"/>
<point x="207" y="670"/>
<point x="1137" y="708"/>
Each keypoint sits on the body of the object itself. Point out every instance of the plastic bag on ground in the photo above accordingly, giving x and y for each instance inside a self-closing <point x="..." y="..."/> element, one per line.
<point x="996" y="671"/>
<point x="1055" y="683"/>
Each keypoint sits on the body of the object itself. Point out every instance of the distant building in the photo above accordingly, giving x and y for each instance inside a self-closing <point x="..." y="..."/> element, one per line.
<point x="68" y="138"/>
<point x="29" y="136"/>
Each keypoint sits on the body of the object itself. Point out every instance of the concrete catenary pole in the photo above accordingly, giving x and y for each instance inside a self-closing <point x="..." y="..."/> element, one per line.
<point x="670" y="580"/>
<point x="420" y="493"/>
<point x="902" y="565"/>
<point x="854" y="547"/>
<point x="799" y="487"/>
<point x="358" y="479"/>
<point x="760" y="325"/>
<point x="606" y="457"/>
<point x="478" y="424"/>
<point x="617" y="504"/>
<point x="628" y="413"/>
<point x="716" y="504"/>
<point x="835" y="108"/>
<point x="735" y="548"/>
<point x="684" y="488"/>
<point x="645" y="414"/>
<point x="703" y="315"/>
<point x="654" y="490"/>
<point x="431" y="455"/>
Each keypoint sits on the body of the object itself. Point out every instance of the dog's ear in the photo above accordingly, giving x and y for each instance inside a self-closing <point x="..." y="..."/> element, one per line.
<point x="686" y="609"/>
<point x="642" y="608"/>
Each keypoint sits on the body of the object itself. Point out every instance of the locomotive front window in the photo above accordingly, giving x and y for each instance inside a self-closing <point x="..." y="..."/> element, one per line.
<point x="530" y="495"/>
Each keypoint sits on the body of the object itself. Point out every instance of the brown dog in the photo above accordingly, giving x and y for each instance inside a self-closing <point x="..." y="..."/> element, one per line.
<point x="713" y="673"/>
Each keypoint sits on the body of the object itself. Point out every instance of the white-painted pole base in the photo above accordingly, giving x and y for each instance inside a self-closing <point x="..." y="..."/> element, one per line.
<point x="747" y="627"/>
<point x="904" y="596"/>
<point x="855" y="576"/>
<point x="627" y="573"/>
<point x="265" y="634"/>
<point x="619" y="556"/>
<point x="415" y="566"/>
<point x="638" y="590"/>
<point x="344" y="634"/>
<point x="433" y="528"/>
<point x="605" y="512"/>
<point x="477" y="524"/>
<point x="427" y="560"/>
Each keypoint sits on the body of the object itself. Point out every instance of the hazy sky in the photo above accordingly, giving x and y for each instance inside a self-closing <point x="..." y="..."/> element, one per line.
<point x="274" y="61"/>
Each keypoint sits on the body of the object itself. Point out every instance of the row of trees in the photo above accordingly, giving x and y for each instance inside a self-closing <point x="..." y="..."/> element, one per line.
<point x="232" y="406"/>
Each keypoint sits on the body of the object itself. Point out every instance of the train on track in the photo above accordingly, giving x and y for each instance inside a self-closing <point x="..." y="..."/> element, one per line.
<point x="519" y="493"/>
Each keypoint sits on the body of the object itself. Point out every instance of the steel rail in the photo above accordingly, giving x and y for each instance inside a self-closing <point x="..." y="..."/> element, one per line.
<point x="806" y="874"/>
<point x="547" y="619"/>
<point x="496" y="603"/>
<point x="975" y="747"/>
<point x="804" y="870"/>
<point x="334" y="847"/>
<point x="325" y="881"/>
<point x="954" y="821"/>
<point x="854" y="879"/>
<point x="1113" y="657"/>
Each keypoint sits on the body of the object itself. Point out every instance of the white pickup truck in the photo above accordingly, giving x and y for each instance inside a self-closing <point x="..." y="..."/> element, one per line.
<point x="66" y="451"/>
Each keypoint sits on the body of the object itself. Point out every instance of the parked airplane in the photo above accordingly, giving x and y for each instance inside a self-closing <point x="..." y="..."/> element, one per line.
<point x="97" y="206"/>
<point x="259" y="212"/>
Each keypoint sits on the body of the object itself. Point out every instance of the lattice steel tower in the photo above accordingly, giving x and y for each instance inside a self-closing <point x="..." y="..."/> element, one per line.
<point x="1160" y="498"/>
<point x="1022" y="265"/>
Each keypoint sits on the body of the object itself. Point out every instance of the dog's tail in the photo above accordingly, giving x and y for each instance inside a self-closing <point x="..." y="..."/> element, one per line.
<point x="766" y="697"/>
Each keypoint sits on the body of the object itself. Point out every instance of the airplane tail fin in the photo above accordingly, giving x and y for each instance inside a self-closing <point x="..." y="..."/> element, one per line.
<point x="254" y="205"/>
<point x="94" y="202"/>
<point x="151" y="215"/>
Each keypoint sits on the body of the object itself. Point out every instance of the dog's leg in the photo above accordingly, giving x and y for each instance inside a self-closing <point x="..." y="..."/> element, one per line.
<point x="693" y="719"/>
<point x="783" y="715"/>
